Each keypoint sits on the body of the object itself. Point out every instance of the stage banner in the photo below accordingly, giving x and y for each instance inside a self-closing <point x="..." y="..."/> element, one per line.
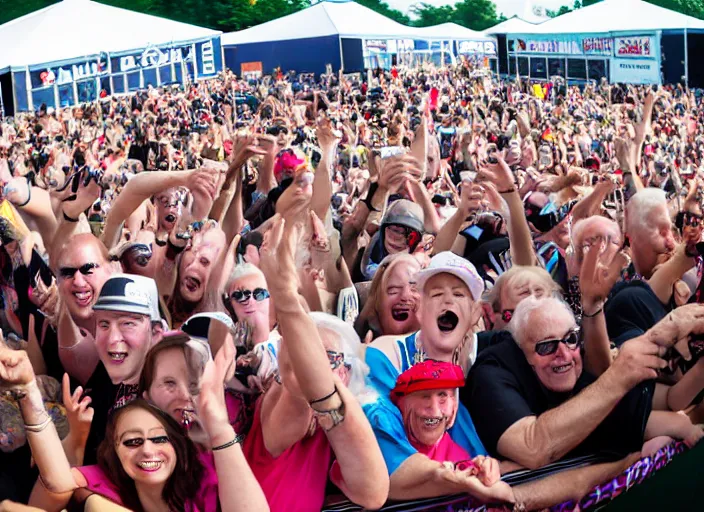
<point x="639" y="47"/>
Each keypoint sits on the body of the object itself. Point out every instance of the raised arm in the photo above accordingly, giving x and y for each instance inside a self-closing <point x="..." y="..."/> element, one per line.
<point x="56" y="483"/>
<point x="328" y="140"/>
<point x="500" y="175"/>
<point x="139" y="189"/>
<point x="239" y="490"/>
<point x="364" y="476"/>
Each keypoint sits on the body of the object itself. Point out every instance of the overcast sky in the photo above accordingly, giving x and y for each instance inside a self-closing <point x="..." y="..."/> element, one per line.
<point x="507" y="7"/>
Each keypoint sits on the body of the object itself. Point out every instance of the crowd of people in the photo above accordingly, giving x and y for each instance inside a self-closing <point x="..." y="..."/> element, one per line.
<point x="250" y="295"/>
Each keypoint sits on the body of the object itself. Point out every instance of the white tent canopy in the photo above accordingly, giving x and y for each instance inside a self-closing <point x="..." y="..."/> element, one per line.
<point x="452" y="31"/>
<point x="327" y="18"/>
<point x="615" y="16"/>
<point x="513" y="25"/>
<point x="77" y="28"/>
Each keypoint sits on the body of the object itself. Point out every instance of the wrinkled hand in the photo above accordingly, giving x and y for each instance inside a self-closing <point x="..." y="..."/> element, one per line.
<point x="46" y="298"/>
<point x="394" y="171"/>
<point x="694" y="435"/>
<point x="638" y="360"/>
<point x="15" y="368"/>
<point x="499" y="492"/>
<point x="598" y="276"/>
<point x="489" y="470"/>
<point x="268" y="144"/>
<point x="625" y="153"/>
<point x="210" y="404"/>
<point x="78" y="414"/>
<point x="676" y="327"/>
<point x="327" y="136"/>
<point x="472" y="199"/>
<point x="499" y="174"/>
<point x="203" y="184"/>
<point x="246" y="147"/>
<point x="295" y="200"/>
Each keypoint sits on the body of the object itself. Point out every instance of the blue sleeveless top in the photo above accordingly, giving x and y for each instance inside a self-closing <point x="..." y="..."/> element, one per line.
<point x="386" y="419"/>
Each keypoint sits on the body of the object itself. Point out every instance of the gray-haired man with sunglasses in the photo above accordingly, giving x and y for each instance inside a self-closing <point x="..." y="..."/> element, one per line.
<point x="534" y="404"/>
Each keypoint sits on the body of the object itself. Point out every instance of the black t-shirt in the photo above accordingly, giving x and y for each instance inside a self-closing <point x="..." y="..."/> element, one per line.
<point x="502" y="388"/>
<point x="102" y="393"/>
<point x="632" y="309"/>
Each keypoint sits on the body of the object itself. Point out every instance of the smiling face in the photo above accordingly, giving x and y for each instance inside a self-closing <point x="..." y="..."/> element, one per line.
<point x="428" y="414"/>
<point x="251" y="310"/>
<point x="122" y="341"/>
<point x="558" y="372"/>
<point x="79" y="291"/>
<point x="143" y="448"/>
<point x="447" y="313"/>
<point x="399" y="299"/>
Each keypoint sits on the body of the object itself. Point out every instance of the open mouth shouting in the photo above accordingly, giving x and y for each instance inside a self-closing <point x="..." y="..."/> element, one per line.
<point x="191" y="283"/>
<point x="150" y="465"/>
<point x="447" y="321"/>
<point x="401" y="312"/>
<point x="170" y="218"/>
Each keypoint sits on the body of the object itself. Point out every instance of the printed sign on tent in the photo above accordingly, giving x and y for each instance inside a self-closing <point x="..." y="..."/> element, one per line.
<point x="251" y="70"/>
<point x="638" y="47"/>
<point x="598" y="46"/>
<point x="631" y="71"/>
<point x="485" y="47"/>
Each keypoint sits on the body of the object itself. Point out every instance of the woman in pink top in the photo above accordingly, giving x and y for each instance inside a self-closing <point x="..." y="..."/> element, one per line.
<point x="310" y="414"/>
<point x="145" y="461"/>
<point x="426" y="395"/>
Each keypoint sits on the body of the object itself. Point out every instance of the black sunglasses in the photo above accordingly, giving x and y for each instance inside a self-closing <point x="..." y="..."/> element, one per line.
<point x="549" y="347"/>
<point x="70" y="272"/>
<point x="259" y="295"/>
<point x="692" y="219"/>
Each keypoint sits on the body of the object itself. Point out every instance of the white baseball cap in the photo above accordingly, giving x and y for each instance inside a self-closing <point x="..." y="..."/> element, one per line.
<point x="449" y="263"/>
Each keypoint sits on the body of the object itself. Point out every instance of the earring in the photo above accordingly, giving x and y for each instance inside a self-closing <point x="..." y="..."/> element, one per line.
<point x="420" y="356"/>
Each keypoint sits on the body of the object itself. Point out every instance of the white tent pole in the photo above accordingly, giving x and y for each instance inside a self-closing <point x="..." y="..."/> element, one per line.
<point x="342" y="57"/>
<point x="686" y="60"/>
<point x="30" y="100"/>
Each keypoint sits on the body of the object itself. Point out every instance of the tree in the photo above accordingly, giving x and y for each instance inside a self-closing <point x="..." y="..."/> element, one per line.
<point x="476" y="14"/>
<point x="428" y="15"/>
<point x="383" y="8"/>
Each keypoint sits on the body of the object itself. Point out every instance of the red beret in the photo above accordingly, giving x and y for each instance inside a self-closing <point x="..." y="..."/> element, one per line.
<point x="428" y="375"/>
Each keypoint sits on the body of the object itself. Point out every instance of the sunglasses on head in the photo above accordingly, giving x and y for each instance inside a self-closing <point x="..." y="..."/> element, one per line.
<point x="549" y="347"/>
<point x="259" y="295"/>
<point x="337" y="359"/>
<point x="70" y="272"/>
<point x="141" y="253"/>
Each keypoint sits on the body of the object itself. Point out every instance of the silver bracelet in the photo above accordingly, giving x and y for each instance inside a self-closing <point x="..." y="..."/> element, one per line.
<point x="38" y="427"/>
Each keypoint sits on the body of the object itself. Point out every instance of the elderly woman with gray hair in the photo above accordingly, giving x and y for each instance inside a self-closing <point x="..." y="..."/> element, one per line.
<point x="308" y="426"/>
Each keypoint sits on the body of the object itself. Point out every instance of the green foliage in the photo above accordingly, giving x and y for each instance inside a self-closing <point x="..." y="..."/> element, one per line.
<point x="383" y="8"/>
<point x="231" y="15"/>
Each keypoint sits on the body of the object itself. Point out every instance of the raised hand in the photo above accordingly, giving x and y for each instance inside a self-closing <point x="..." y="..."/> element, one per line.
<point x="598" y="274"/>
<point x="84" y="190"/>
<point x="499" y="174"/>
<point x="203" y="185"/>
<point x="210" y="404"/>
<point x="15" y="368"/>
<point x="78" y="414"/>
<point x="276" y="255"/>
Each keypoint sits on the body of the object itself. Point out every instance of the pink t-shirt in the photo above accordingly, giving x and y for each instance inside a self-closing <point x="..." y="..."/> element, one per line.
<point x="445" y="450"/>
<point x="295" y="480"/>
<point x="205" y="501"/>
